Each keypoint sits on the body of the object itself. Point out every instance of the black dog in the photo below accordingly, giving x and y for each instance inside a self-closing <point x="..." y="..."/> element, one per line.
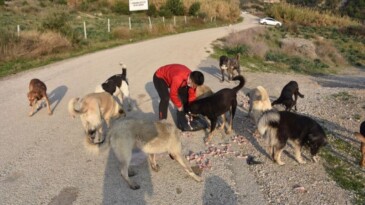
<point x="216" y="105"/>
<point x="286" y="96"/>
<point x="229" y="64"/>
<point x="117" y="85"/>
<point x="279" y="127"/>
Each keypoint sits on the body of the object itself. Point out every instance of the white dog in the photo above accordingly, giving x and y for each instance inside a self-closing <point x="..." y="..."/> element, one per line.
<point x="118" y="86"/>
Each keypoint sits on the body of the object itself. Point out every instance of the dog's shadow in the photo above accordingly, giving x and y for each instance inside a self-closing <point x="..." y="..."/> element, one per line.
<point x="56" y="96"/>
<point x="212" y="70"/>
<point x="217" y="191"/>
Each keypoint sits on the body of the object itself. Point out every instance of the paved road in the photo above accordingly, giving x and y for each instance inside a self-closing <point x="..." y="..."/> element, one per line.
<point x="43" y="159"/>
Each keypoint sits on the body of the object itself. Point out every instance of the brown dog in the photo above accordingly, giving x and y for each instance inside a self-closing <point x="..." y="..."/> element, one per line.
<point x="37" y="91"/>
<point x="361" y="136"/>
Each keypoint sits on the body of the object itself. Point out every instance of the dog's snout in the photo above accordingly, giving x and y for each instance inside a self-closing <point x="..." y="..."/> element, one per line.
<point x="91" y="134"/>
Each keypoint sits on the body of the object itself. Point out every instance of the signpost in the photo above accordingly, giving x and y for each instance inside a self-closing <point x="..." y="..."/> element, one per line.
<point x="137" y="5"/>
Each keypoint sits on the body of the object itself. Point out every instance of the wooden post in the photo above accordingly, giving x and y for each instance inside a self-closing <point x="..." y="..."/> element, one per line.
<point x="85" y="34"/>
<point x="163" y="20"/>
<point x="149" y="19"/>
<point x="18" y="30"/>
<point x="108" y="25"/>
<point x="185" y="19"/>
<point x="130" y="24"/>
<point x="174" y="20"/>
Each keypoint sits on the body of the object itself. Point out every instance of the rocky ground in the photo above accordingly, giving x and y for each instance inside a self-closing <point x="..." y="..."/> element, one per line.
<point x="336" y="102"/>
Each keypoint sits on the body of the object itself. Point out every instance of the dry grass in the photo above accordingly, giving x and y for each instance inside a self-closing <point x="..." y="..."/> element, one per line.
<point x="307" y="16"/>
<point x="34" y="44"/>
<point x="251" y="38"/>
<point x="227" y="10"/>
<point x="328" y="53"/>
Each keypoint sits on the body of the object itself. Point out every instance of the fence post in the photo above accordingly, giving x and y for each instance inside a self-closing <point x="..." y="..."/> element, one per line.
<point x="85" y="34"/>
<point x="18" y="30"/>
<point x="185" y="19"/>
<point x="174" y="20"/>
<point x="163" y="20"/>
<point x="149" y="19"/>
<point x="108" y="25"/>
<point x="130" y="24"/>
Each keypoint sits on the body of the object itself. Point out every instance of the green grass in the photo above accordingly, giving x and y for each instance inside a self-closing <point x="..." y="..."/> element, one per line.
<point x="343" y="172"/>
<point x="343" y="96"/>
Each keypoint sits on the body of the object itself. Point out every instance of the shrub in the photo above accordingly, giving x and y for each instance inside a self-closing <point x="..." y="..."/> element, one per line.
<point x="2" y="2"/>
<point x="167" y="13"/>
<point x="121" y="8"/>
<point x="152" y="11"/>
<point x="194" y="9"/>
<point x="176" y="7"/>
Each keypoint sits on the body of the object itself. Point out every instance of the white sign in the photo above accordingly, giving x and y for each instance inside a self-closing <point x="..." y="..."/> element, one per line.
<point x="137" y="5"/>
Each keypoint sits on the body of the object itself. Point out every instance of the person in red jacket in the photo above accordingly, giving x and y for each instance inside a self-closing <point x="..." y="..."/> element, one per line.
<point x="175" y="77"/>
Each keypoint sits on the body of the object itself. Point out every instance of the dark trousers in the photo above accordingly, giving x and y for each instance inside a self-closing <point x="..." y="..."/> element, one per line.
<point x="163" y="91"/>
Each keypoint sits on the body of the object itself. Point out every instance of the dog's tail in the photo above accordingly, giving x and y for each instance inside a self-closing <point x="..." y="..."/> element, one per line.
<point x="242" y="82"/>
<point x="269" y="119"/>
<point x="360" y="137"/>
<point x="124" y="71"/>
<point x="75" y="107"/>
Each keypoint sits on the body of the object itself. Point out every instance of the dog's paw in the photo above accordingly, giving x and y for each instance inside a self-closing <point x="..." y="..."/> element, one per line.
<point x="30" y="114"/>
<point x="134" y="186"/>
<point x="50" y="113"/>
<point x="155" y="168"/>
<point x="301" y="162"/>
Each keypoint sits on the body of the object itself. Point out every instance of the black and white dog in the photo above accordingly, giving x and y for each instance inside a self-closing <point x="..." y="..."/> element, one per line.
<point x="229" y="64"/>
<point x="279" y="127"/>
<point x="286" y="96"/>
<point x="118" y="86"/>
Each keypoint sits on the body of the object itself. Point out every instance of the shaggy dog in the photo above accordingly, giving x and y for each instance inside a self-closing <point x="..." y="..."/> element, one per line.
<point x="203" y="91"/>
<point x="93" y="109"/>
<point x="216" y="105"/>
<point x="361" y="136"/>
<point x="37" y="91"/>
<point x="229" y="64"/>
<point x="152" y="138"/>
<point x="118" y="86"/>
<point x="259" y="102"/>
<point x="280" y="127"/>
<point x="286" y="96"/>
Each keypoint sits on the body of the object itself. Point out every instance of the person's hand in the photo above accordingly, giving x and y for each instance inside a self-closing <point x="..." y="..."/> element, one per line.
<point x="180" y="108"/>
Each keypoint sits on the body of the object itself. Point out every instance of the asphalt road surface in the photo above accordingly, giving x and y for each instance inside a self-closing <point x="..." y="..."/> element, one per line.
<point x="43" y="159"/>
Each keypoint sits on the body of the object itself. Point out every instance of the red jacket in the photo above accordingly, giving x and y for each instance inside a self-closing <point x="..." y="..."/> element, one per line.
<point x="176" y="76"/>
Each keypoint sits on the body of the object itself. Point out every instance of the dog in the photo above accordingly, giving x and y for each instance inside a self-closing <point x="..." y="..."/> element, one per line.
<point x="286" y="96"/>
<point x="152" y="138"/>
<point x="203" y="91"/>
<point x="216" y="105"/>
<point x="229" y="64"/>
<point x="361" y="137"/>
<point x="37" y="91"/>
<point x="118" y="86"/>
<point x="93" y="109"/>
<point x="279" y="127"/>
<point x="259" y="102"/>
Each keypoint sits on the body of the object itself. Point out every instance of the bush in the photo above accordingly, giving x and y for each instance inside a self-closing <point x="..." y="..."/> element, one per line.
<point x="152" y="11"/>
<point x="194" y="9"/>
<point x="121" y="8"/>
<point x="176" y="7"/>
<point x="2" y="2"/>
<point x="167" y="13"/>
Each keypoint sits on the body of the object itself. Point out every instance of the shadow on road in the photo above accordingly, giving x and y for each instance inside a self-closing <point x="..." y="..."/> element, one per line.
<point x="217" y="191"/>
<point x="57" y="95"/>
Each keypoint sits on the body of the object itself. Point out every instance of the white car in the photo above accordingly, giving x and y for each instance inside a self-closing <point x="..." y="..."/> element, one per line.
<point x="270" y="21"/>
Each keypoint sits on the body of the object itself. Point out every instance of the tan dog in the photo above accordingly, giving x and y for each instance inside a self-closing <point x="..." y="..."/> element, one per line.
<point x="259" y="102"/>
<point x="361" y="137"/>
<point x="37" y="91"/>
<point x="152" y="138"/>
<point x="203" y="91"/>
<point x="93" y="109"/>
